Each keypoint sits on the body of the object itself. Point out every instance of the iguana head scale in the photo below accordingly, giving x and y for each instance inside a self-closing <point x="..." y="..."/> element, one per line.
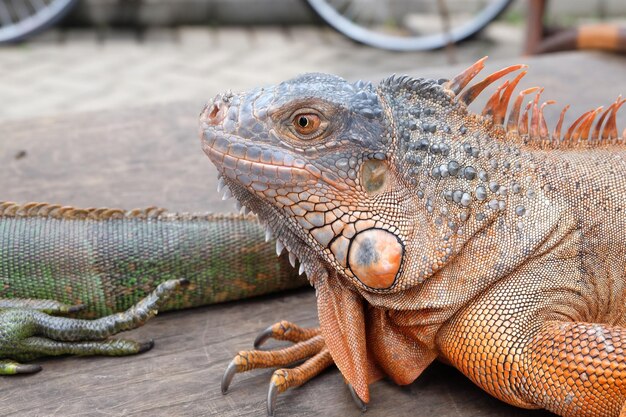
<point x="309" y="156"/>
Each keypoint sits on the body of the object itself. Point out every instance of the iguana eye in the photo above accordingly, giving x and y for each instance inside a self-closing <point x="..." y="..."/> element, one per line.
<point x="307" y="125"/>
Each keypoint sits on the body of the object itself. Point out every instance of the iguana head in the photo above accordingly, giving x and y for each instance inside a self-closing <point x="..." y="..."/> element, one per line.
<point x="311" y="156"/>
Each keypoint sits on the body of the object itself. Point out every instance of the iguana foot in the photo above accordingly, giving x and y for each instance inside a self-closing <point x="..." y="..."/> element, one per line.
<point x="27" y="333"/>
<point x="309" y="346"/>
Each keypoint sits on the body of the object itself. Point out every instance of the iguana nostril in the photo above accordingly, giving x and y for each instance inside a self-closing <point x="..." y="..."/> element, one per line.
<point x="214" y="110"/>
<point x="217" y="111"/>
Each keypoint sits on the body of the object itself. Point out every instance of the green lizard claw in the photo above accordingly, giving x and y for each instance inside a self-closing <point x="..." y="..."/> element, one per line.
<point x="145" y="346"/>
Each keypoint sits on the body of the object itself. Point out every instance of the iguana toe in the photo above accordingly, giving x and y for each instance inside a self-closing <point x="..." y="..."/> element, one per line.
<point x="285" y="330"/>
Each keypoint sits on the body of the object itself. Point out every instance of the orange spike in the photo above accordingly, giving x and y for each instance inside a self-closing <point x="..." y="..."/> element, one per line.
<point x="494" y="100"/>
<point x="523" y="124"/>
<point x="513" y="122"/>
<point x="595" y="136"/>
<point x="543" y="126"/>
<point x="534" y="117"/>
<point x="557" y="130"/>
<point x="570" y="132"/>
<point x="459" y="82"/>
<point x="472" y="92"/>
<point x="503" y="105"/>
<point x="611" y="123"/>
<point x="585" y="127"/>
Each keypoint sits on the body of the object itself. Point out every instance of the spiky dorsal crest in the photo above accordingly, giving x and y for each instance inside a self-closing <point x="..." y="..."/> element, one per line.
<point x="59" y="212"/>
<point x="593" y="128"/>
<point x="424" y="86"/>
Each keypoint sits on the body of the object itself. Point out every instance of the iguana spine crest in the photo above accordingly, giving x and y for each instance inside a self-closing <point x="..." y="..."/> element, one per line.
<point x="57" y="211"/>
<point x="529" y="127"/>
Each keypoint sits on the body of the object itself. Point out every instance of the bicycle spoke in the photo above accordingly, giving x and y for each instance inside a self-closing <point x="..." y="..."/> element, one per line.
<point x="37" y="5"/>
<point x="5" y="15"/>
<point x="446" y="28"/>
<point x="341" y="6"/>
<point x="20" y="9"/>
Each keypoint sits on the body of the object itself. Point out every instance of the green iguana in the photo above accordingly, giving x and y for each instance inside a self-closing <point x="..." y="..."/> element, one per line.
<point x="93" y="263"/>
<point x="432" y="232"/>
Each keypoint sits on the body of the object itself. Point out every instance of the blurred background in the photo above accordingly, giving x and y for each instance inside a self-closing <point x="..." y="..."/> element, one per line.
<point x="112" y="54"/>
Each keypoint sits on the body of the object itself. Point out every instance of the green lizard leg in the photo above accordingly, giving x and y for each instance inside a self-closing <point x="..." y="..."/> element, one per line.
<point x="68" y="329"/>
<point x="45" y="306"/>
<point x="27" y="334"/>
<point x="9" y="367"/>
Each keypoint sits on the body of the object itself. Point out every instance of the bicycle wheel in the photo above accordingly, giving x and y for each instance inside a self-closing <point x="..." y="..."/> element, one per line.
<point x="405" y="25"/>
<point x="22" y="18"/>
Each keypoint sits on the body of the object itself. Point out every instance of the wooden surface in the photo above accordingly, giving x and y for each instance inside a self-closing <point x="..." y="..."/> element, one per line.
<point x="151" y="156"/>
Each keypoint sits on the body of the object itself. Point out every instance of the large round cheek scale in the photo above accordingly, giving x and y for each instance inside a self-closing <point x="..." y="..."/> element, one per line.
<point x="374" y="257"/>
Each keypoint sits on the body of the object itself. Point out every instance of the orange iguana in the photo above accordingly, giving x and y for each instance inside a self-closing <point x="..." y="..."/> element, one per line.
<point x="431" y="232"/>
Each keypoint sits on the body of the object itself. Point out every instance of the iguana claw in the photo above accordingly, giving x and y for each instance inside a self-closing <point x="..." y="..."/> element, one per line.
<point x="227" y="378"/>
<point x="263" y="337"/>
<point x="272" y="394"/>
<point x="285" y="330"/>
<point x="357" y="400"/>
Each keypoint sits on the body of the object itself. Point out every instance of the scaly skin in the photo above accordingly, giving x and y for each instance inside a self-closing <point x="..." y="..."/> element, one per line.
<point x="96" y="262"/>
<point x="431" y="232"/>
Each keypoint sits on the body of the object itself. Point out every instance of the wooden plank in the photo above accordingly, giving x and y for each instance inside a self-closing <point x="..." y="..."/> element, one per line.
<point x="181" y="375"/>
<point x="151" y="156"/>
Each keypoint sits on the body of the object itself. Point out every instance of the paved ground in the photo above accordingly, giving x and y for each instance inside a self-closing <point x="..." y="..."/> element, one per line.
<point x="75" y="70"/>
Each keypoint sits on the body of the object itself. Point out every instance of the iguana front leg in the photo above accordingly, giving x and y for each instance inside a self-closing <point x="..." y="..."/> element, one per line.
<point x="512" y="344"/>
<point x="578" y="369"/>
<point x="26" y="332"/>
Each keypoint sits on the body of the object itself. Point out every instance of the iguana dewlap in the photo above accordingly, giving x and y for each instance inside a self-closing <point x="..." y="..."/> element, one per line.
<point x="432" y="232"/>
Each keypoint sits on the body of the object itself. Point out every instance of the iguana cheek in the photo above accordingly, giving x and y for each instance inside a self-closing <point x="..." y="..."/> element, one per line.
<point x="374" y="257"/>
